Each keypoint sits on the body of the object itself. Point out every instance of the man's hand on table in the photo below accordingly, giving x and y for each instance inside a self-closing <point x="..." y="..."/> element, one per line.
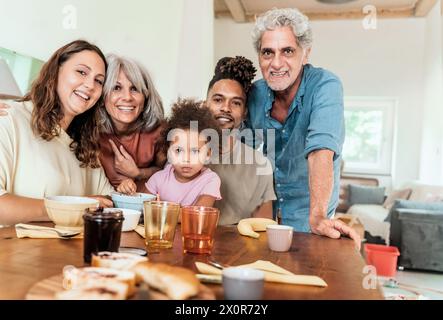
<point x="333" y="229"/>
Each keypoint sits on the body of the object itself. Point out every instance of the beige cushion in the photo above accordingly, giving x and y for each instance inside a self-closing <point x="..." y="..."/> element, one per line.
<point x="372" y="218"/>
<point x="394" y="195"/>
<point x="425" y="192"/>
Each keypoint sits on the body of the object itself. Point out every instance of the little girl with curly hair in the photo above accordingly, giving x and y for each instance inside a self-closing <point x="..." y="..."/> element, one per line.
<point x="189" y="140"/>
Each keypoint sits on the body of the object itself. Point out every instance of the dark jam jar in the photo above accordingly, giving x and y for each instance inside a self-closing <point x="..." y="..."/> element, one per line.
<point x="102" y="231"/>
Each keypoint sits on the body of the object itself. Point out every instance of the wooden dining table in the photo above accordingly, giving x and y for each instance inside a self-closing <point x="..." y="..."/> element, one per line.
<point x="24" y="262"/>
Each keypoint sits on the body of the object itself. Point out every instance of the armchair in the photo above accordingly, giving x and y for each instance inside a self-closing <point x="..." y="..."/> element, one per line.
<point x="417" y="230"/>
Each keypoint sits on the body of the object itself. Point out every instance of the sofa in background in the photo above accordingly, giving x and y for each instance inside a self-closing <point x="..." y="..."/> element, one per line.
<point x="345" y="181"/>
<point x="374" y="217"/>
<point x="410" y="218"/>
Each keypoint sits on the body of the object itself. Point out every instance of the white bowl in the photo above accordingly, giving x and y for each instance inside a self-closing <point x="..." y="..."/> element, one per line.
<point x="67" y="211"/>
<point x="134" y="202"/>
<point x="131" y="220"/>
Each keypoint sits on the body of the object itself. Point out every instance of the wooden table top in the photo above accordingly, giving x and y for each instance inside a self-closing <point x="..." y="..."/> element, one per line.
<point x="23" y="262"/>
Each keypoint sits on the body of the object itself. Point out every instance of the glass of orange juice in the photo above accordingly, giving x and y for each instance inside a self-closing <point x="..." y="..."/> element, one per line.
<point x="198" y="227"/>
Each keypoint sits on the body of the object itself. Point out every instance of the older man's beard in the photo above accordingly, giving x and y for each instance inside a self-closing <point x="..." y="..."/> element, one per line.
<point x="281" y="85"/>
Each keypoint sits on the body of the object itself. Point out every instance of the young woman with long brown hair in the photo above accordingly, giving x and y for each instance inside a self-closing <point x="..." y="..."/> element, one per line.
<point x="49" y="139"/>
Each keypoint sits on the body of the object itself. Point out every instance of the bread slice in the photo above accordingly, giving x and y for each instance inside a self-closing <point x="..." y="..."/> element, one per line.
<point x="100" y="290"/>
<point x="116" y="260"/>
<point x="176" y="282"/>
<point x="90" y="276"/>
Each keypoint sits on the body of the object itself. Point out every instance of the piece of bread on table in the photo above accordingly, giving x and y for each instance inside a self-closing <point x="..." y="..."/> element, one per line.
<point x="100" y="290"/>
<point x="90" y="276"/>
<point x="116" y="260"/>
<point x="176" y="282"/>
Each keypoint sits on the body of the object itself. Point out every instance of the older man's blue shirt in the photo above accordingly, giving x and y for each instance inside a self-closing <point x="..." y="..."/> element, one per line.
<point x="315" y="121"/>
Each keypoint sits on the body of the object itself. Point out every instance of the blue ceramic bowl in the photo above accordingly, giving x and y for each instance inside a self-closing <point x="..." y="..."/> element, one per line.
<point x="134" y="202"/>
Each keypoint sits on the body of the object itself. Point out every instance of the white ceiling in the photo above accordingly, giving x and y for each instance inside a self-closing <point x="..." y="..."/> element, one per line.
<point x="319" y="10"/>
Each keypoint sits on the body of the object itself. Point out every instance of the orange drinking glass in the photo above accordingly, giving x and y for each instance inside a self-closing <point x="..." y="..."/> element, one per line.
<point x="198" y="228"/>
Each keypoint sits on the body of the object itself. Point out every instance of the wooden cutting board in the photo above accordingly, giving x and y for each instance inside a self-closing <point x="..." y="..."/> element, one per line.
<point x="47" y="288"/>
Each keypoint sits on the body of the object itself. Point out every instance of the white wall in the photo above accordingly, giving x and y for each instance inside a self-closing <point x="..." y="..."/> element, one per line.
<point x="195" y="58"/>
<point x="431" y="165"/>
<point x="148" y="31"/>
<point x="441" y="39"/>
<point x="386" y="62"/>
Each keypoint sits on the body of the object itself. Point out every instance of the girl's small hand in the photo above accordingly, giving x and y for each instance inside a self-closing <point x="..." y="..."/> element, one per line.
<point x="104" y="201"/>
<point x="127" y="186"/>
<point x="3" y="107"/>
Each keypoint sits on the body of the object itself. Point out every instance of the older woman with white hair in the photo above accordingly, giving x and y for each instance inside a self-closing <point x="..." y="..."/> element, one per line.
<point x="130" y="123"/>
<point x="304" y="105"/>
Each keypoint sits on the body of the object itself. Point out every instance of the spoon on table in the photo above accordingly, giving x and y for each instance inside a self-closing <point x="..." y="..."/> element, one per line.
<point x="217" y="264"/>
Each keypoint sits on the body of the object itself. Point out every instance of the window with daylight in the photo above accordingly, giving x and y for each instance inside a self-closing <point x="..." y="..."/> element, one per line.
<point x="368" y="147"/>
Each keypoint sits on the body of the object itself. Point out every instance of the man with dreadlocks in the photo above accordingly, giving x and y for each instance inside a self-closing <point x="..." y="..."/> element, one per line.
<point x="246" y="175"/>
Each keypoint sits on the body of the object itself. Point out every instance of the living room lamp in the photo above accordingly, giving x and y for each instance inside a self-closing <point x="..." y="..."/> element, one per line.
<point x="8" y="85"/>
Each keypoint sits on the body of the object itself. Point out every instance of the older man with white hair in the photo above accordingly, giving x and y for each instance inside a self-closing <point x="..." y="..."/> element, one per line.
<point x="304" y="107"/>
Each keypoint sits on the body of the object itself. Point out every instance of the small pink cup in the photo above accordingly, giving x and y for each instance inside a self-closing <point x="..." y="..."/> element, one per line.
<point x="279" y="237"/>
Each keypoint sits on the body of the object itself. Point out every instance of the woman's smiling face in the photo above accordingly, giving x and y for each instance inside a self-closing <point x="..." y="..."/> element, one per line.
<point x="124" y="103"/>
<point x="80" y="83"/>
